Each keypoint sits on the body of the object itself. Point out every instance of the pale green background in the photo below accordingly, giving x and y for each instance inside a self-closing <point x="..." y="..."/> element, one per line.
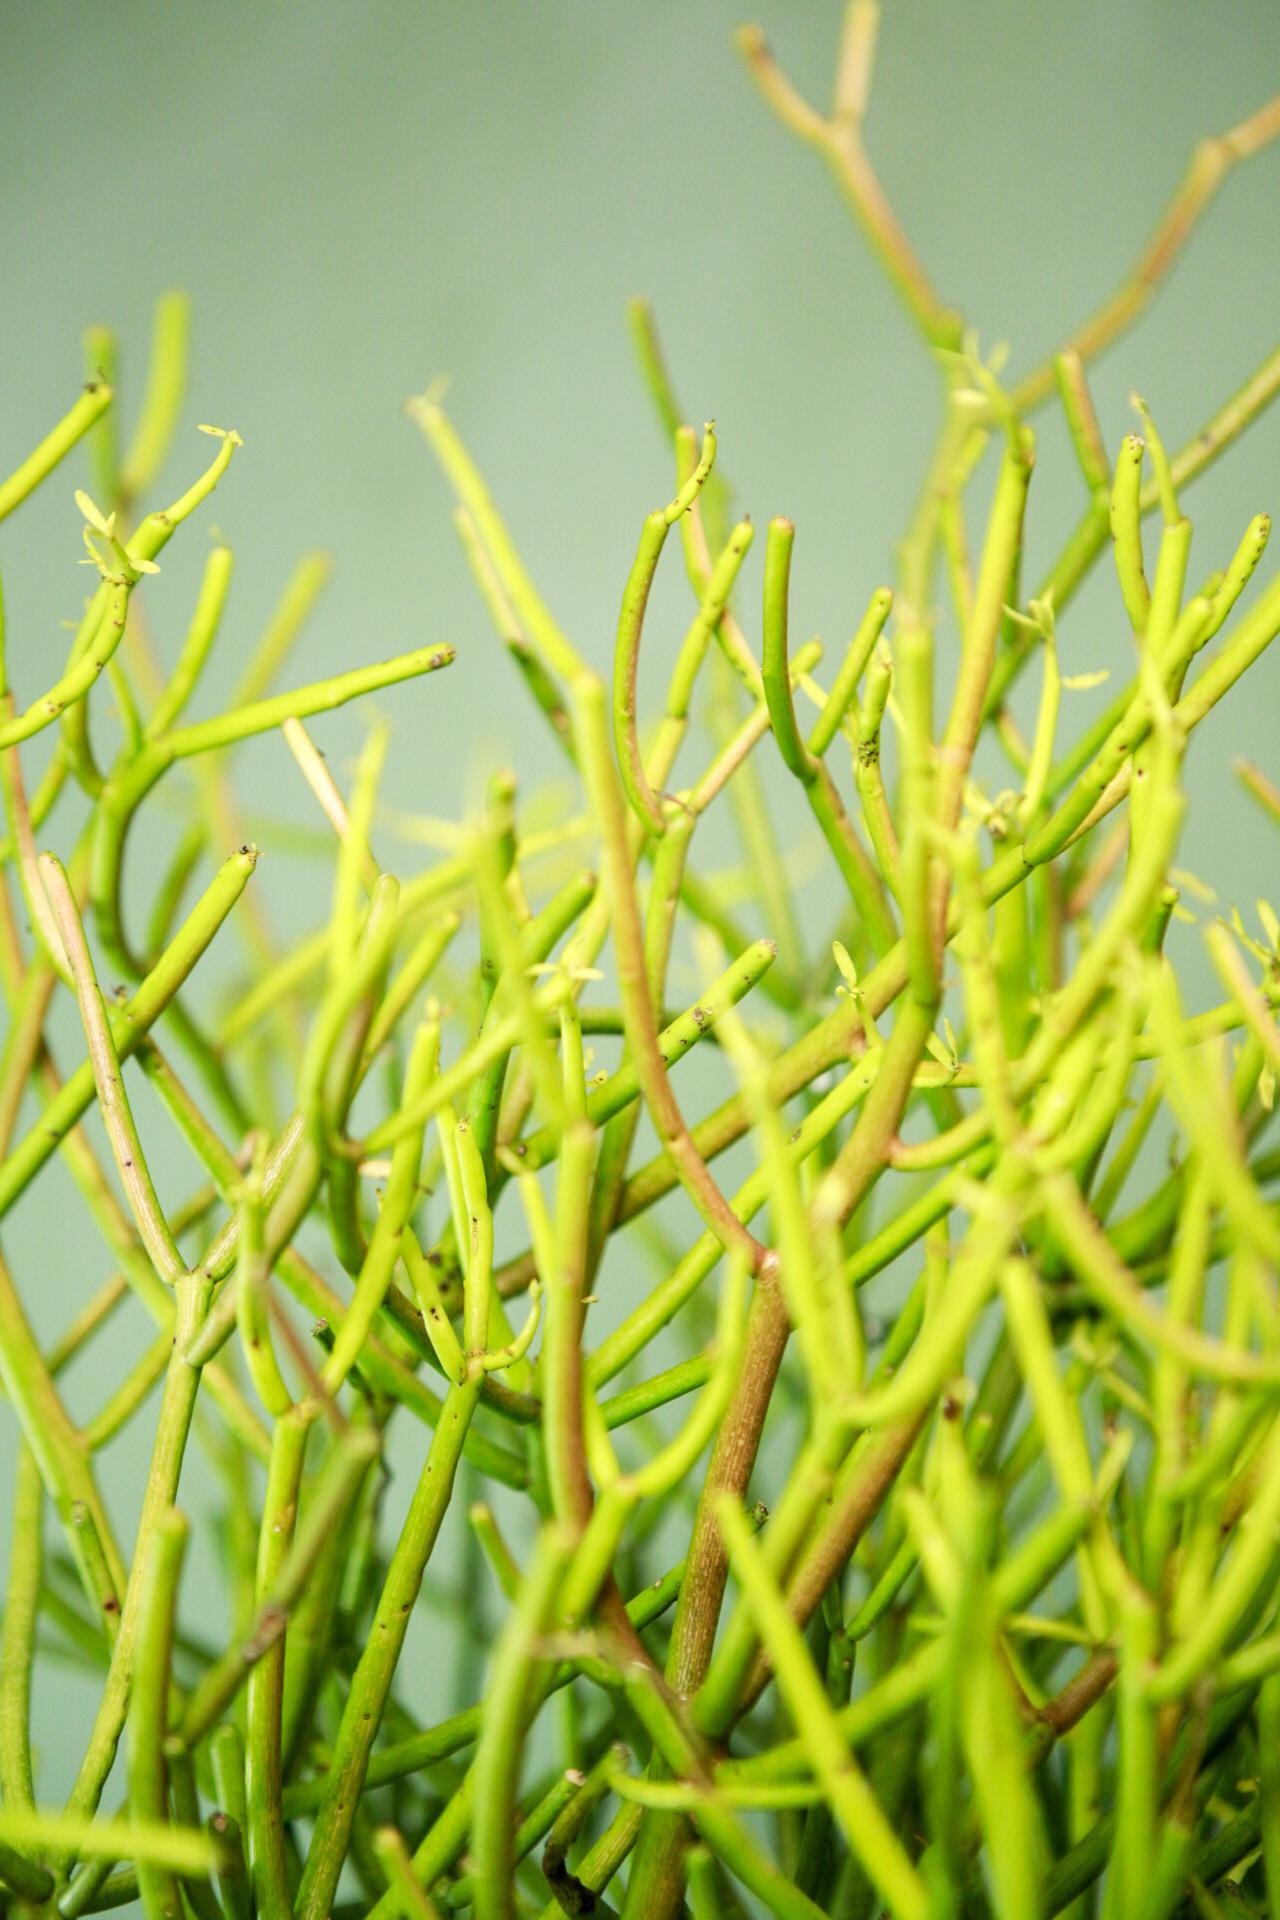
<point x="362" y="196"/>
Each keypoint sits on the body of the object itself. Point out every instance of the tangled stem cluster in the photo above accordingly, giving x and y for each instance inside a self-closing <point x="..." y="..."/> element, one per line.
<point x="1010" y="1631"/>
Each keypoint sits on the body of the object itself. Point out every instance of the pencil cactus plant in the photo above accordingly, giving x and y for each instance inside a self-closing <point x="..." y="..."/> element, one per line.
<point x="1007" y="1639"/>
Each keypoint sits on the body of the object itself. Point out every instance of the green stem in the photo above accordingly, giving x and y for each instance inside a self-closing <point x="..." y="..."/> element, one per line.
<point x="149" y="1702"/>
<point x="18" y="1633"/>
<point x="75" y="423"/>
<point x="371" y="1682"/>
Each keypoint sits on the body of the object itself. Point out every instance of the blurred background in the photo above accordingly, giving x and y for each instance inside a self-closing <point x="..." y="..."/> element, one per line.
<point x="361" y="197"/>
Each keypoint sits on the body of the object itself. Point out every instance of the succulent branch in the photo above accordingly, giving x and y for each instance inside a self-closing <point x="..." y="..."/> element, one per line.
<point x="1009" y="1631"/>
